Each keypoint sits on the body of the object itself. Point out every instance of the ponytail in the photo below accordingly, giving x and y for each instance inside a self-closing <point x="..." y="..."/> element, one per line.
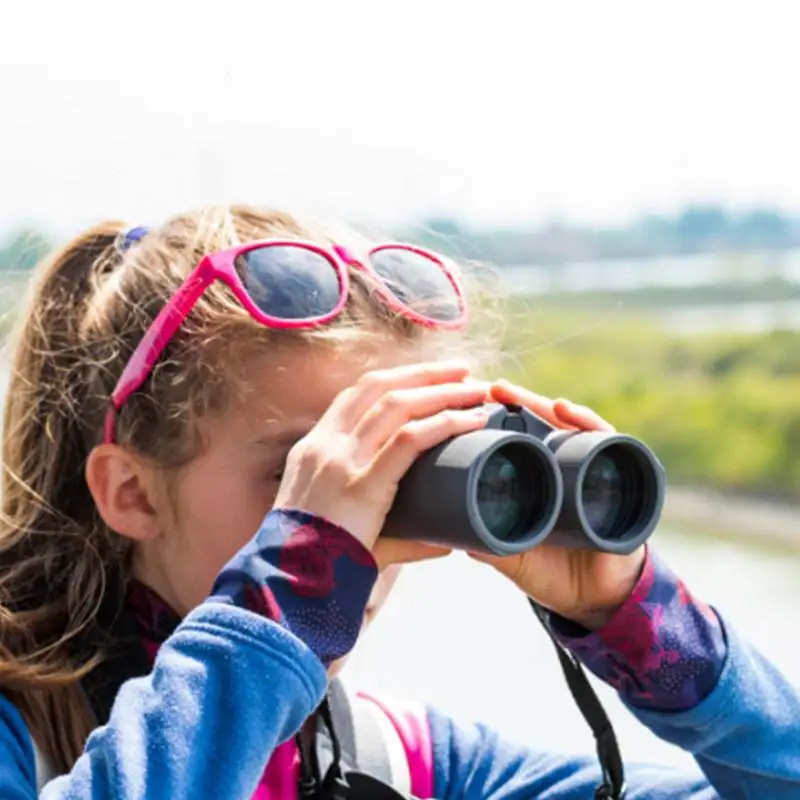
<point x="54" y="552"/>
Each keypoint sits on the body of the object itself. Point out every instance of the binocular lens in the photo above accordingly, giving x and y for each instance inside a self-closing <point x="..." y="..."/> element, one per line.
<point x="512" y="493"/>
<point x="616" y="493"/>
<point x="507" y="487"/>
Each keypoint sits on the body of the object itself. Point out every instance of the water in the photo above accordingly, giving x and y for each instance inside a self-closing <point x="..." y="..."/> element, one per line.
<point x="459" y="636"/>
<point x="678" y="272"/>
<point x="742" y="317"/>
<point x="647" y="273"/>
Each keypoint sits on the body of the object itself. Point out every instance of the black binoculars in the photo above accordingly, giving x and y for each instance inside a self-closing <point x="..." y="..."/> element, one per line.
<point x="506" y="488"/>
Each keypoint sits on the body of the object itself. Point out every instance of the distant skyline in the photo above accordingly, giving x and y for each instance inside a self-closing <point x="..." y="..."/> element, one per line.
<point x="514" y="112"/>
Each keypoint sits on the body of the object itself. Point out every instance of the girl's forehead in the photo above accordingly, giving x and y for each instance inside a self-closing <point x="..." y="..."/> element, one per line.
<point x="298" y="386"/>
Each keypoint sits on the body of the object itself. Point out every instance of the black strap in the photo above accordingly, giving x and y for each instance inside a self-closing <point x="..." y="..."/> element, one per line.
<point x="336" y="784"/>
<point x="313" y="785"/>
<point x="613" y="785"/>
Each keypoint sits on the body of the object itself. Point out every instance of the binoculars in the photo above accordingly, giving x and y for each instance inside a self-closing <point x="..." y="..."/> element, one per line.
<point x="517" y="482"/>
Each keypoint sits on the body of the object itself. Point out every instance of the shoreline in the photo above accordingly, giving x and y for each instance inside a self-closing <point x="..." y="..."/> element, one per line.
<point x="744" y="520"/>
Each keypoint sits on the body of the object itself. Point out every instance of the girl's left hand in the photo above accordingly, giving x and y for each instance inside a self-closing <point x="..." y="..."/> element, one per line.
<point x="585" y="586"/>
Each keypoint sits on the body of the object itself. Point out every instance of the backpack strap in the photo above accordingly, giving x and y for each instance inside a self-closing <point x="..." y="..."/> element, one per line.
<point x="368" y="741"/>
<point x="410" y="724"/>
<point x="378" y="743"/>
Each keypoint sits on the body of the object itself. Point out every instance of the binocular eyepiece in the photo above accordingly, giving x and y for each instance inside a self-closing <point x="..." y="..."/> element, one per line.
<point x="506" y="488"/>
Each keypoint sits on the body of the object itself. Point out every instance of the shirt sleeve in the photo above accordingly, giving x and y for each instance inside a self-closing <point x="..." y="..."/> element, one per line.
<point x="239" y="676"/>
<point x="306" y="574"/>
<point x="662" y="650"/>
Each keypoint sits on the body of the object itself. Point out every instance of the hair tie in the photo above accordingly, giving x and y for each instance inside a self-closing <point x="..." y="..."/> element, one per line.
<point x="131" y="237"/>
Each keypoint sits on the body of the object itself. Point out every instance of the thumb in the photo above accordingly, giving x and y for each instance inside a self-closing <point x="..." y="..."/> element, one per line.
<point x="389" y="551"/>
<point x="509" y="566"/>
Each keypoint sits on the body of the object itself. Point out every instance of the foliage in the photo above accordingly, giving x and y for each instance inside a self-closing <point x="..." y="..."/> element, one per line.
<point x="694" y="229"/>
<point x="721" y="410"/>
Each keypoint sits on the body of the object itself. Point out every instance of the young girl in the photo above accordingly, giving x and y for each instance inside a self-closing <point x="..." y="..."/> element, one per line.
<point x="204" y="431"/>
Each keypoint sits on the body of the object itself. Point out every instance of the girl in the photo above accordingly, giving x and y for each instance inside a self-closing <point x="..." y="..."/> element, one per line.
<point x="204" y="431"/>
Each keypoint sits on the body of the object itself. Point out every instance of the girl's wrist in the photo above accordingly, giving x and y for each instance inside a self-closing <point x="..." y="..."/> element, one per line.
<point x="597" y="617"/>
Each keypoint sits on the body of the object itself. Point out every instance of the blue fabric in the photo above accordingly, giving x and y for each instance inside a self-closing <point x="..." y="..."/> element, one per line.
<point x="236" y="678"/>
<point x="226" y="689"/>
<point x="745" y="736"/>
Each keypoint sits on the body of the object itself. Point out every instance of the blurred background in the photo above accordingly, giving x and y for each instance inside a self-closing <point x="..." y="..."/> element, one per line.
<point x="632" y="170"/>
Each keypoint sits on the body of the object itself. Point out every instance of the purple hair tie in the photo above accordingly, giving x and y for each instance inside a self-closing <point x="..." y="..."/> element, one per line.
<point x="131" y="237"/>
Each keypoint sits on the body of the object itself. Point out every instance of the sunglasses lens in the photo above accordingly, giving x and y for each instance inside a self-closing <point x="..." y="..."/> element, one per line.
<point x="418" y="282"/>
<point x="289" y="281"/>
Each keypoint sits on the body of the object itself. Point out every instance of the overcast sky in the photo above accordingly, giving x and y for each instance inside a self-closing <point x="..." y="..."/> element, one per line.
<point x="493" y="110"/>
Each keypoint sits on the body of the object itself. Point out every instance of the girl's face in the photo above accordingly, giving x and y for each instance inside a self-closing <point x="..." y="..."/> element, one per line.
<point x="218" y="501"/>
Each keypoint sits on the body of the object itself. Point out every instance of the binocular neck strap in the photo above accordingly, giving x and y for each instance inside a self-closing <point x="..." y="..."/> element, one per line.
<point x="334" y="784"/>
<point x="313" y="784"/>
<point x="613" y="772"/>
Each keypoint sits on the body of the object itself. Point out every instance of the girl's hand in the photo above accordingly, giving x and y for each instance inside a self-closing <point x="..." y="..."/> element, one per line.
<point x="348" y="467"/>
<point x="585" y="586"/>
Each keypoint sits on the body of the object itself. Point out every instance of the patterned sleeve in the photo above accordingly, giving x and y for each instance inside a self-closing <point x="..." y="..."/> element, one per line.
<point x="663" y="649"/>
<point x="306" y="574"/>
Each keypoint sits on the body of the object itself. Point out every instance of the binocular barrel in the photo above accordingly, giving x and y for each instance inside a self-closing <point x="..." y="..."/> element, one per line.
<point x="506" y="488"/>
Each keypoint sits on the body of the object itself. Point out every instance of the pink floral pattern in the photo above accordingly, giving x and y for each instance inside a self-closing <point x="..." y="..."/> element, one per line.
<point x="308" y="575"/>
<point x="309" y="554"/>
<point x="663" y="649"/>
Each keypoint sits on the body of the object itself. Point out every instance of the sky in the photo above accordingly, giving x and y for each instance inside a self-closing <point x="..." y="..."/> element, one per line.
<point x="499" y="113"/>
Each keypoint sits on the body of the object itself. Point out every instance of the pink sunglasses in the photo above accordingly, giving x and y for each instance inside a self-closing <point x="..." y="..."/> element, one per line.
<point x="287" y="284"/>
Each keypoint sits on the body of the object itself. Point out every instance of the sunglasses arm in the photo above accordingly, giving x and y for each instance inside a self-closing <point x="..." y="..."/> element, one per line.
<point x="155" y="341"/>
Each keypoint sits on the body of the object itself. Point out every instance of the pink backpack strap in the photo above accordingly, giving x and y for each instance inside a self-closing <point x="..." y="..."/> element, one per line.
<point x="410" y="722"/>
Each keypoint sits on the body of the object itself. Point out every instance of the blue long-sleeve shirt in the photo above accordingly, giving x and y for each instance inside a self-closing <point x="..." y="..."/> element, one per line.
<point x="240" y="674"/>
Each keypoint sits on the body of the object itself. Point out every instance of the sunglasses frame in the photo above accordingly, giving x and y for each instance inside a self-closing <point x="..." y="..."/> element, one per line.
<point x="221" y="266"/>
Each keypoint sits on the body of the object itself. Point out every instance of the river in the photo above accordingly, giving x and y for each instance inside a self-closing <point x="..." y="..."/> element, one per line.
<point x="458" y="635"/>
<point x="651" y="273"/>
<point x="677" y="272"/>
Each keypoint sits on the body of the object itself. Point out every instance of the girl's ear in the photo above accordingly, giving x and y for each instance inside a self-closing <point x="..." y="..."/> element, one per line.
<point x="122" y="484"/>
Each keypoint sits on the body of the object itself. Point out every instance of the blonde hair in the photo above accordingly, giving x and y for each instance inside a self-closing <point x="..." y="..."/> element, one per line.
<point x="63" y="573"/>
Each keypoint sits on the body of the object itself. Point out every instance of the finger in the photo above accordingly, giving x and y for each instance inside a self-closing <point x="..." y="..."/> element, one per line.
<point x="399" y="406"/>
<point x="487" y="386"/>
<point x="581" y="417"/>
<point x="400" y="452"/>
<point x="507" y="393"/>
<point x="387" y="552"/>
<point x="351" y="405"/>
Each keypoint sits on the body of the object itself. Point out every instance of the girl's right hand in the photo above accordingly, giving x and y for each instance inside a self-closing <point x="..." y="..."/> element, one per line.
<point x="348" y="467"/>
